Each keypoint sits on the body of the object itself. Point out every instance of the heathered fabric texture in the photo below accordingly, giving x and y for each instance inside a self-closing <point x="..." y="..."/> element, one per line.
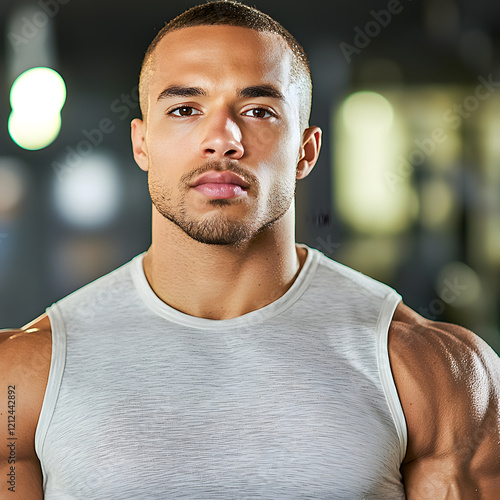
<point x="293" y="401"/>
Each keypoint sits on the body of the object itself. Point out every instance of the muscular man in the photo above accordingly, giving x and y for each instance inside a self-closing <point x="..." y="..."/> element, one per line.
<point x="228" y="361"/>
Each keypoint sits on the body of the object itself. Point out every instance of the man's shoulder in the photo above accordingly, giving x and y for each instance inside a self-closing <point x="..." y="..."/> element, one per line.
<point x="412" y="332"/>
<point x="448" y="380"/>
<point x="25" y="356"/>
<point x="435" y="360"/>
<point x="29" y="346"/>
<point x="443" y="349"/>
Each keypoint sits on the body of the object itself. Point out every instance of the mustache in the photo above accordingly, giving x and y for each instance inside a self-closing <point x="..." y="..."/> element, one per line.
<point x="221" y="166"/>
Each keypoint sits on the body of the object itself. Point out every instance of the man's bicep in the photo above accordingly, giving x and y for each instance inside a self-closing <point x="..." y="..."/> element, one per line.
<point x="449" y="385"/>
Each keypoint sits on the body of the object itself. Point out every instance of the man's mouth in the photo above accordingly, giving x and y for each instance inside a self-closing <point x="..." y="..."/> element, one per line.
<point x="221" y="185"/>
<point x="225" y="177"/>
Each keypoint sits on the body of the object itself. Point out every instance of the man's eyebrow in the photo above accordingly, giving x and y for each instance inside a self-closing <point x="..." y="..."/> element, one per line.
<point x="245" y="93"/>
<point x="261" y="91"/>
<point x="181" y="91"/>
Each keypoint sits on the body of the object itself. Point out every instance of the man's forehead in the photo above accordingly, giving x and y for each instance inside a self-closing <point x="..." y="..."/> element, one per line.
<point x="222" y="49"/>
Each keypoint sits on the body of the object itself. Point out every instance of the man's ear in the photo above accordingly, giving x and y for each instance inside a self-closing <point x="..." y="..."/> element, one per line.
<point x="138" y="133"/>
<point x="309" y="151"/>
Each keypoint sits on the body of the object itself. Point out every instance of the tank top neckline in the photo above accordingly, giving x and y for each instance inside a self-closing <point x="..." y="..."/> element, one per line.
<point x="162" y="309"/>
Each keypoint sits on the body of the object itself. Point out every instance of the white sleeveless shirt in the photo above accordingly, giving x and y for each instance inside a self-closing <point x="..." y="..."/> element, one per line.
<point x="294" y="400"/>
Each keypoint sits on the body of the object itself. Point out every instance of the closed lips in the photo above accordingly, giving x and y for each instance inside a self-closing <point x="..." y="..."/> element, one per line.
<point x="221" y="178"/>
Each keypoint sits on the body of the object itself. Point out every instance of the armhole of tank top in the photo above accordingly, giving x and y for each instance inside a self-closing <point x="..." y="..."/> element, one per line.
<point x="385" y="371"/>
<point x="57" y="364"/>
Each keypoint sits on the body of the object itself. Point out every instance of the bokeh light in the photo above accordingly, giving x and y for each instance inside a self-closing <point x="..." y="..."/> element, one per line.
<point x="372" y="196"/>
<point x="37" y="97"/>
<point x="89" y="194"/>
<point x="458" y="285"/>
<point x="362" y="109"/>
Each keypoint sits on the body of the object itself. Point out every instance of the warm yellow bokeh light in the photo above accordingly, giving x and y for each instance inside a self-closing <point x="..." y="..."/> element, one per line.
<point x="438" y="203"/>
<point x="369" y="144"/>
<point x="366" y="108"/>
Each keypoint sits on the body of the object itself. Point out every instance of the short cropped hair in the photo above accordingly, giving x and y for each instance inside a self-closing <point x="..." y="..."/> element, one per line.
<point x="233" y="13"/>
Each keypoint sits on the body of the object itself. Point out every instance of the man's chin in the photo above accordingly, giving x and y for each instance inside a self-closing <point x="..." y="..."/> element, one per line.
<point x="216" y="228"/>
<point x="214" y="232"/>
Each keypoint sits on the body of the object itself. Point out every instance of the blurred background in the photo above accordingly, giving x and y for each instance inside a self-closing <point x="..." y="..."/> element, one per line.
<point x="407" y="189"/>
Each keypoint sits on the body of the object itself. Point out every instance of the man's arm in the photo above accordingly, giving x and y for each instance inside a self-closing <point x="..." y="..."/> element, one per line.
<point x="24" y="367"/>
<point x="448" y="381"/>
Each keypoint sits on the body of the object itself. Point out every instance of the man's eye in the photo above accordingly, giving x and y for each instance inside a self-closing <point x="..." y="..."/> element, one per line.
<point x="184" y="111"/>
<point x="259" y="113"/>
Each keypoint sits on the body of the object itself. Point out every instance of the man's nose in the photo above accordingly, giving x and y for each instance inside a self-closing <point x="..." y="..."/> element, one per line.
<point x="222" y="138"/>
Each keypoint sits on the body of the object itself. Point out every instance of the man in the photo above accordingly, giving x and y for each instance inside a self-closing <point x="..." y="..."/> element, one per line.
<point x="228" y="361"/>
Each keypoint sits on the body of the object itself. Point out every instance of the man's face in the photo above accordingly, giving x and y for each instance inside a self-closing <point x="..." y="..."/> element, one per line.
<point x="221" y="138"/>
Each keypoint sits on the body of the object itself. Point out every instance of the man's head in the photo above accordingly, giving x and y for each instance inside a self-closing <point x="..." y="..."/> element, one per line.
<point x="222" y="139"/>
<point x="231" y="13"/>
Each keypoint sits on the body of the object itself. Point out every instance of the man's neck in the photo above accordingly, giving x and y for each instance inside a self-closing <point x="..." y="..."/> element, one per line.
<point x="222" y="282"/>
